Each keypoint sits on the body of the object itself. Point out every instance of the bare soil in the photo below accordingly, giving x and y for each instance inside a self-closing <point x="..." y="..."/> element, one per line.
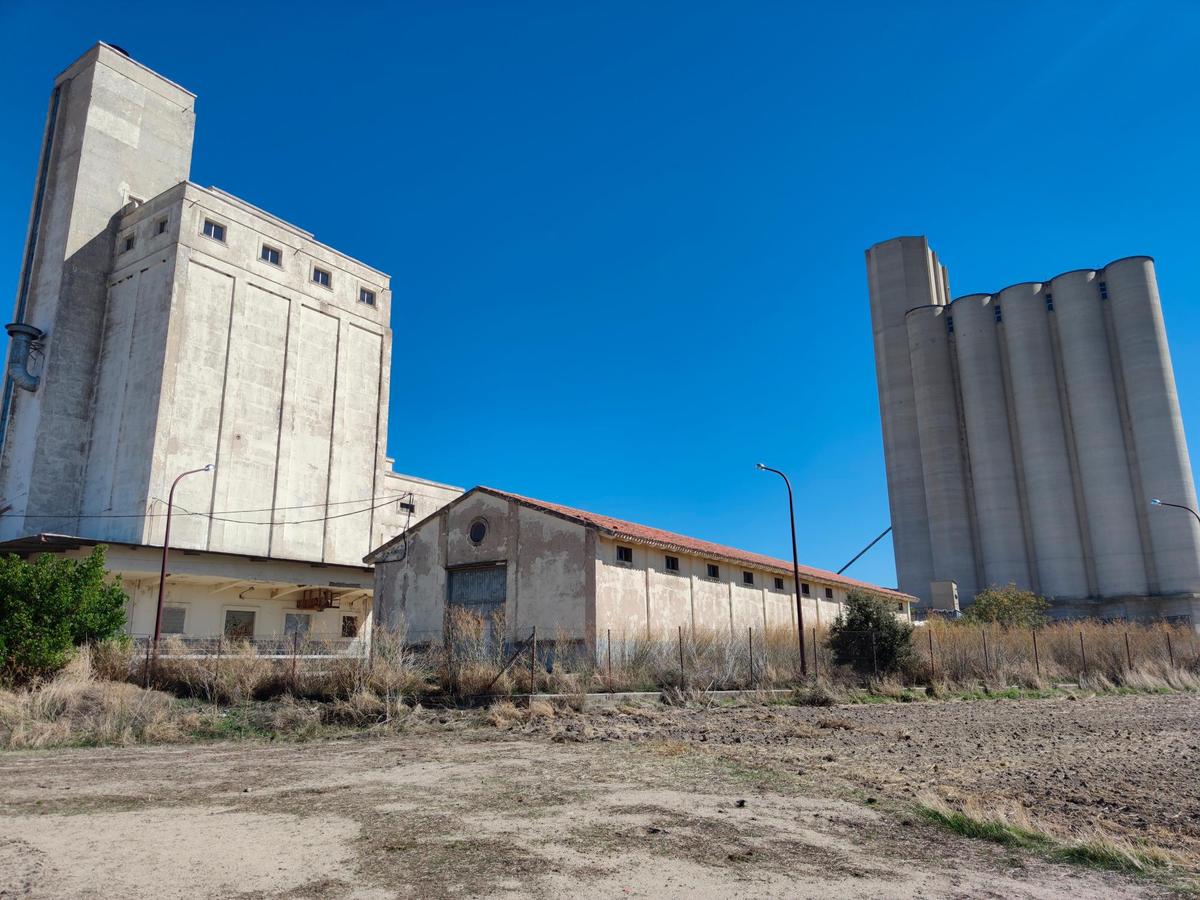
<point x="760" y="801"/>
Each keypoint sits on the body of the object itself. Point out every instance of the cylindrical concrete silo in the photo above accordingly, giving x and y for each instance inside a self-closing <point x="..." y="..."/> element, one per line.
<point x="941" y="448"/>
<point x="1099" y="435"/>
<point x="1054" y="518"/>
<point x="1163" y="468"/>
<point x="989" y="442"/>
<point x="900" y="276"/>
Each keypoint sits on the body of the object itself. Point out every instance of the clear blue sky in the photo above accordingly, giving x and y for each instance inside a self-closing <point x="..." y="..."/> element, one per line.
<point x="626" y="239"/>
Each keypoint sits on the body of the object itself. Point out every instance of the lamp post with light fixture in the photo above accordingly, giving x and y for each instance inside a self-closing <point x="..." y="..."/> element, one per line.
<point x="795" y="569"/>
<point x="1157" y="502"/>
<point x="166" y="549"/>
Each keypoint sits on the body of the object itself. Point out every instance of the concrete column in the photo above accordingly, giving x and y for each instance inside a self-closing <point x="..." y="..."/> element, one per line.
<point x="1163" y="467"/>
<point x="1054" y="518"/>
<point x="902" y="274"/>
<point x="1099" y="435"/>
<point x="942" y="463"/>
<point x="989" y="442"/>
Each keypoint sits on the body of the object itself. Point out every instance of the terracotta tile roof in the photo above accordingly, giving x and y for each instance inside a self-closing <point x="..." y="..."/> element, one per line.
<point x="631" y="531"/>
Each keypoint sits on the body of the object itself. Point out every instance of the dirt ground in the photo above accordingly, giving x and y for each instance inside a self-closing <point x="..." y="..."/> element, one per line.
<point x="762" y="801"/>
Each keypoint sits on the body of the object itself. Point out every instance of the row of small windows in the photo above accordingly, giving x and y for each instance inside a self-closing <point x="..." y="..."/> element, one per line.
<point x="671" y="564"/>
<point x="130" y="240"/>
<point x="274" y="256"/>
<point x="1049" y="307"/>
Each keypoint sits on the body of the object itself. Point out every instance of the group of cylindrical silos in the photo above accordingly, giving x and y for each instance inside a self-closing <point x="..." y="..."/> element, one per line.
<point x="1026" y="432"/>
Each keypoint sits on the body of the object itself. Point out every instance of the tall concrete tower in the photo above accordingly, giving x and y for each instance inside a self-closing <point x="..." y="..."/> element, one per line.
<point x="1025" y="433"/>
<point x="116" y="133"/>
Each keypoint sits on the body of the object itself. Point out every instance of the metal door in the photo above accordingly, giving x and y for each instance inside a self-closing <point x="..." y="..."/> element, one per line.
<point x="480" y="591"/>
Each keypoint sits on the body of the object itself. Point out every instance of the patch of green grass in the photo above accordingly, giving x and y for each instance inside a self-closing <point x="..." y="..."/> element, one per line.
<point x="984" y="829"/>
<point x="1100" y="854"/>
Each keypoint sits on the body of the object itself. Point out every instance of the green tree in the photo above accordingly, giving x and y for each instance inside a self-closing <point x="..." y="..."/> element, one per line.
<point x="1008" y="606"/>
<point x="49" y="606"/>
<point x="869" y="637"/>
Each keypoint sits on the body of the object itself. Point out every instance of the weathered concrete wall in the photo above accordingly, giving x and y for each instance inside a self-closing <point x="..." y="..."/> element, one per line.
<point x="643" y="599"/>
<point x="546" y="558"/>
<point x="121" y="132"/>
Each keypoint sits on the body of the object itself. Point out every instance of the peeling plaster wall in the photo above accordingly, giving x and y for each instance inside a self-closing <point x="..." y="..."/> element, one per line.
<point x="547" y="569"/>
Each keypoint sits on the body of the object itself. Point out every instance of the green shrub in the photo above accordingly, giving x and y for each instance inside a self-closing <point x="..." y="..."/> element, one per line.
<point x="869" y="637"/>
<point x="1008" y="606"/>
<point x="49" y="606"/>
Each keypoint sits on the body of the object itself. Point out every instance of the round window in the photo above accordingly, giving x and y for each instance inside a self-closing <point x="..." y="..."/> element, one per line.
<point x="478" y="531"/>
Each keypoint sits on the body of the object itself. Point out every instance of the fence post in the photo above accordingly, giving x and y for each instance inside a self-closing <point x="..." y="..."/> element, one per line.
<point x="146" y="665"/>
<point x="750" y="630"/>
<point x="609" y="645"/>
<point x="217" y="668"/>
<point x="932" y="661"/>
<point x="295" y="653"/>
<point x="1037" y="663"/>
<point x="1083" y="653"/>
<point x="682" y="677"/>
<point x="874" y="654"/>
<point x="532" y="663"/>
<point x="987" y="664"/>
<point x="1170" y="651"/>
<point x="816" y="661"/>
<point x="1128" y="655"/>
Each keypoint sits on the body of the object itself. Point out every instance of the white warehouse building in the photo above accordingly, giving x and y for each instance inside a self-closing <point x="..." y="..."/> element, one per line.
<point x="161" y="326"/>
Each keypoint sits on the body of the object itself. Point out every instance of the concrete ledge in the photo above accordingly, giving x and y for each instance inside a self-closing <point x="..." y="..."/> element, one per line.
<point x="649" y="696"/>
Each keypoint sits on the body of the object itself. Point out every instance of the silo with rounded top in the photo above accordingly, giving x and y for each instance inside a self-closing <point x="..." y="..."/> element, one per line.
<point x="1041" y="435"/>
<point x="941" y="447"/>
<point x="1001" y="529"/>
<point x="1163" y="469"/>
<point x="1094" y="410"/>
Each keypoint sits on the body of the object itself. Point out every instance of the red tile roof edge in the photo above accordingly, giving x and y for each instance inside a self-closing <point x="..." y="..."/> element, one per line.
<point x="644" y="533"/>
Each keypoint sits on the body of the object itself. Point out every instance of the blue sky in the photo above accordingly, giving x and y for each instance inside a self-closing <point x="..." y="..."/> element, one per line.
<point x="626" y="239"/>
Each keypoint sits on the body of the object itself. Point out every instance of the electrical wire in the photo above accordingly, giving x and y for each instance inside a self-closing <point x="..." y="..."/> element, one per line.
<point x="222" y="512"/>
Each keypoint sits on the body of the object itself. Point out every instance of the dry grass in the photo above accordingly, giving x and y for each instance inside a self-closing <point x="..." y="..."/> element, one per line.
<point x="76" y="709"/>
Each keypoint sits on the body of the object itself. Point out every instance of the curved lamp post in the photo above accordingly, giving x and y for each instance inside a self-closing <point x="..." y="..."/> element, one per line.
<point x="162" y="580"/>
<point x="1157" y="502"/>
<point x="795" y="570"/>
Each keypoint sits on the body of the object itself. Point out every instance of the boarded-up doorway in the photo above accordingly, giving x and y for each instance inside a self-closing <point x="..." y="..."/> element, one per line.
<point x="481" y="591"/>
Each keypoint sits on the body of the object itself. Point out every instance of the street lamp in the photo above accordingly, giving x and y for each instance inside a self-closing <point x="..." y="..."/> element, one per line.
<point x="162" y="580"/>
<point x="795" y="570"/>
<point x="1157" y="502"/>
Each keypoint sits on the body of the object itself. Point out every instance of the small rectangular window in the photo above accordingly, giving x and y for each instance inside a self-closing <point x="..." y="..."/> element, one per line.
<point x="1049" y="303"/>
<point x="779" y="584"/>
<point x="239" y="624"/>
<point x="161" y="227"/>
<point x="1103" y="290"/>
<point x="804" y="589"/>
<point x="128" y="243"/>
<point x="996" y="313"/>
<point x="214" y="230"/>
<point x="270" y="255"/>
<point x="173" y="619"/>
<point x="407" y="507"/>
<point x="625" y="554"/>
<point x="297" y="623"/>
<point x="672" y="563"/>
<point x="714" y="571"/>
<point x="747" y="578"/>
<point x="349" y="626"/>
<point x="322" y="277"/>
<point x="828" y="593"/>
<point x="366" y="296"/>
